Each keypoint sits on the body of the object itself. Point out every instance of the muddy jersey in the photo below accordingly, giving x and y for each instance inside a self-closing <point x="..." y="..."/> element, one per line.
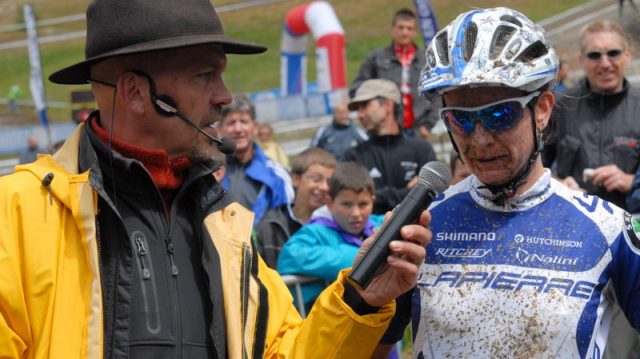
<point x="536" y="278"/>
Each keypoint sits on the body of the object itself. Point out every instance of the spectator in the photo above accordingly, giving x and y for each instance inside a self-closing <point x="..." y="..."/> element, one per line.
<point x="563" y="72"/>
<point x="621" y="6"/>
<point x="597" y="134"/>
<point x="15" y="94"/>
<point x="310" y="171"/>
<point x="392" y="159"/>
<point x="31" y="153"/>
<point x="258" y="182"/>
<point x="331" y="240"/>
<point x="519" y="263"/>
<point x="122" y="244"/>
<point x="270" y="147"/>
<point x="340" y="135"/>
<point x="401" y="63"/>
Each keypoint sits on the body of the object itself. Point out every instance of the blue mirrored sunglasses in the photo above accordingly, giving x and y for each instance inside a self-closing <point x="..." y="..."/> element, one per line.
<point x="495" y="117"/>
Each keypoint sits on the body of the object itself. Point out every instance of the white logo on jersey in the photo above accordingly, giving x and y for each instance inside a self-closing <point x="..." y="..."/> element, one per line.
<point x="465" y="236"/>
<point x="525" y="257"/>
<point x="547" y="241"/>
<point x="463" y="252"/>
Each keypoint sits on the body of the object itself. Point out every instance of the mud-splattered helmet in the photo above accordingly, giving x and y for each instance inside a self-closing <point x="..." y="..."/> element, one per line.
<point x="489" y="47"/>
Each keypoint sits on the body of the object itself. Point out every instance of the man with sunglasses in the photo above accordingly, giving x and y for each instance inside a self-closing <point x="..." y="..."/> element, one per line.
<point x="597" y="131"/>
<point x="519" y="265"/>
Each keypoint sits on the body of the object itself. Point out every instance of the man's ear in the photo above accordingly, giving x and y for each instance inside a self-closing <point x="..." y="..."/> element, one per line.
<point x="133" y="93"/>
<point x="544" y="108"/>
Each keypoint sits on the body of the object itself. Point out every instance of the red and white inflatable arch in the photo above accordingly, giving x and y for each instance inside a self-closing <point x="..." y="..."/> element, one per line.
<point x="319" y="18"/>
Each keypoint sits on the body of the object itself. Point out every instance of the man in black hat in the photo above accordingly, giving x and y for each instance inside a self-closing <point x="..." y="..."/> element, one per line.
<point x="122" y="244"/>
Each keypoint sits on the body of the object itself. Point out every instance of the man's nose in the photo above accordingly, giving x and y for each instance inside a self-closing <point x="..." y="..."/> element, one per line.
<point x="221" y="95"/>
<point x="605" y="60"/>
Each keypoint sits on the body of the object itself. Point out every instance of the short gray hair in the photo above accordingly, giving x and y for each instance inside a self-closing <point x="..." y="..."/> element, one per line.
<point x="240" y="103"/>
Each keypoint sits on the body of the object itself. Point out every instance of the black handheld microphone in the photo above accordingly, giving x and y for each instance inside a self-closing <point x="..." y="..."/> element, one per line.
<point x="433" y="179"/>
<point x="166" y="106"/>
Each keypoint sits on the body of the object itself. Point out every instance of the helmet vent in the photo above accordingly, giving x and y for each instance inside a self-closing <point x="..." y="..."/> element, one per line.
<point x="442" y="48"/>
<point x="470" y="35"/>
<point x="534" y="51"/>
<point x="500" y="38"/>
<point x="431" y="58"/>
<point x="511" y="19"/>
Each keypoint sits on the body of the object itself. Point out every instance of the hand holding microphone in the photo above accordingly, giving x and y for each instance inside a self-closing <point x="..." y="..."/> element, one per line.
<point x="384" y="277"/>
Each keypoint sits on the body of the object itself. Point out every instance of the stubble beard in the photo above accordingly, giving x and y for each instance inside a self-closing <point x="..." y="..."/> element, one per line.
<point x="203" y="151"/>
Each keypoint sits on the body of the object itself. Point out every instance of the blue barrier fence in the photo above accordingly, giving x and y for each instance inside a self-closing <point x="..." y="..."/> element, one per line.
<point x="14" y="139"/>
<point x="273" y="109"/>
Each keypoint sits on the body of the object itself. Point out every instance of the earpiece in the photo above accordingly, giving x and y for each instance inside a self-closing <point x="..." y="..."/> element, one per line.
<point x="166" y="106"/>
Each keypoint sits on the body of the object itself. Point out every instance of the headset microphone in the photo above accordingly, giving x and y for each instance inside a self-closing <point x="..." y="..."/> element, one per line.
<point x="165" y="105"/>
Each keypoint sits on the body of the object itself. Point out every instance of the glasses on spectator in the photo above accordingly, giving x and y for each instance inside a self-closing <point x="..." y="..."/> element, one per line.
<point x="611" y="54"/>
<point x="495" y="117"/>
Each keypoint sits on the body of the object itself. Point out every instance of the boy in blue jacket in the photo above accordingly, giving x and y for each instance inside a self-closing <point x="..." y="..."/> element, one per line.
<point x="330" y="241"/>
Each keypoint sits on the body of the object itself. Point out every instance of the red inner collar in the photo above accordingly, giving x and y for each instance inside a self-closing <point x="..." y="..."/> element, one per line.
<point x="166" y="173"/>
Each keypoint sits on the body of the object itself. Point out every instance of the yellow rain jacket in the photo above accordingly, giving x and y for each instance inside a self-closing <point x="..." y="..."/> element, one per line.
<point x="50" y="291"/>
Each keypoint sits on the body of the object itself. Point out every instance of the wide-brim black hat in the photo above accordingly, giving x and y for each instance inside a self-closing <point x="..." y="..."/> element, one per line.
<point x="124" y="27"/>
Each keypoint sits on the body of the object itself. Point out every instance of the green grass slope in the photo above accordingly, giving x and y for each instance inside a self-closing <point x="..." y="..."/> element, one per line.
<point x="366" y="23"/>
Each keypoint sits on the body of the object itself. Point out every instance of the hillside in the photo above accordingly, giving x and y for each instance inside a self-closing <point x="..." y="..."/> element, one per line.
<point x="366" y="27"/>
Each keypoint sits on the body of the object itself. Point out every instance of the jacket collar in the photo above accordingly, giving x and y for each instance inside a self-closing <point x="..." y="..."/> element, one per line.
<point x="386" y="138"/>
<point x="597" y="98"/>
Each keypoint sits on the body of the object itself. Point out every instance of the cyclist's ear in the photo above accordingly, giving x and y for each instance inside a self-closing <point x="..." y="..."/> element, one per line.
<point x="544" y="107"/>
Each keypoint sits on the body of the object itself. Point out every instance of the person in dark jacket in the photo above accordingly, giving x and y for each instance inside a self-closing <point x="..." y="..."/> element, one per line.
<point x="340" y="135"/>
<point x="393" y="160"/>
<point x="310" y="171"/>
<point x="597" y="129"/>
<point x="595" y="144"/>
<point x="401" y="63"/>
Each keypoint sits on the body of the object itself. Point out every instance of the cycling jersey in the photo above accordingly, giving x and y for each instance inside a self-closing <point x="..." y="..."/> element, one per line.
<point x="535" y="278"/>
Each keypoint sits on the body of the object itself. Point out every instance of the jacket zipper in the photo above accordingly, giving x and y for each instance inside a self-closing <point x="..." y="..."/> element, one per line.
<point x="170" y="249"/>
<point x="105" y="303"/>
<point x="174" y="292"/>
<point x="148" y="285"/>
<point x="601" y="123"/>
<point x="142" y="256"/>
<point x="244" y="293"/>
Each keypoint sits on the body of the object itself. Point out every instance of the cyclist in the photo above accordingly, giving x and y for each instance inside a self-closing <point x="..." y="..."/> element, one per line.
<point x="519" y="265"/>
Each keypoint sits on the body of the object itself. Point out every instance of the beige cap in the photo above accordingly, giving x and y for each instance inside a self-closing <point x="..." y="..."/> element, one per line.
<point x="374" y="88"/>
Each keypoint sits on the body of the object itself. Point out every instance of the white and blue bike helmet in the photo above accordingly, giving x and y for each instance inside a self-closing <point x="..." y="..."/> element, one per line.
<point x="496" y="47"/>
<point x="488" y="47"/>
